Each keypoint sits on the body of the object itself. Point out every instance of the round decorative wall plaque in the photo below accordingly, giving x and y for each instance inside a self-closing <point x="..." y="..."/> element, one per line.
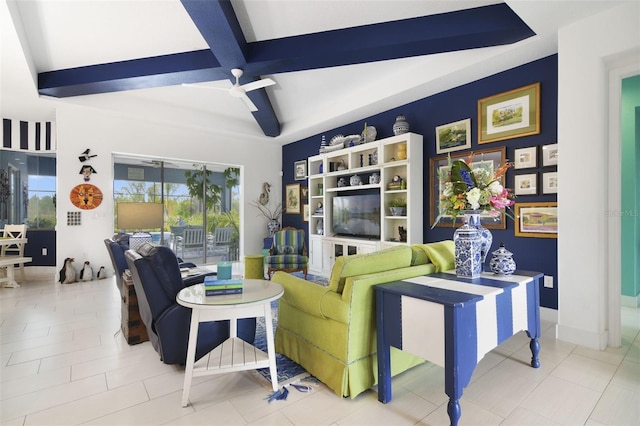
<point x="86" y="196"/>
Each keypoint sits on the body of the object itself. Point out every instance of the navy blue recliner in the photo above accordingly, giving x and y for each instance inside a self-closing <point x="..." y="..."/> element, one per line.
<point x="157" y="280"/>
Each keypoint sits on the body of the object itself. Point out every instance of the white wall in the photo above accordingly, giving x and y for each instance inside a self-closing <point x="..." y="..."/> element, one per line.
<point x="585" y="51"/>
<point x="81" y="128"/>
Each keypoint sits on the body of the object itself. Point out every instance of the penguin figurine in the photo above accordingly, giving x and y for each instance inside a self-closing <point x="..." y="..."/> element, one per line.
<point x="68" y="273"/>
<point x="86" y="273"/>
<point x="102" y="273"/>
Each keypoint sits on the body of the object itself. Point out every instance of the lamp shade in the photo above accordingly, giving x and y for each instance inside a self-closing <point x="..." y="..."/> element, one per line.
<point x="138" y="216"/>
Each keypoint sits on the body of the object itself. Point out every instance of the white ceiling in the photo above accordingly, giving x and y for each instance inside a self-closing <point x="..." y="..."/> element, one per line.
<point x="45" y="35"/>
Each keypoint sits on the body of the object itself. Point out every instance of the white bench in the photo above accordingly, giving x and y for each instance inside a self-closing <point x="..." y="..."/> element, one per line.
<point x="9" y="262"/>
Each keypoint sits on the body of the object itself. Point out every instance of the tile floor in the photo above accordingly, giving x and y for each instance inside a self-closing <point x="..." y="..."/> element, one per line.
<point x="63" y="362"/>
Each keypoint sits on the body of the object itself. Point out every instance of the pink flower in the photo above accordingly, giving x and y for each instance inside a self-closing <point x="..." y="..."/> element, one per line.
<point x="501" y="201"/>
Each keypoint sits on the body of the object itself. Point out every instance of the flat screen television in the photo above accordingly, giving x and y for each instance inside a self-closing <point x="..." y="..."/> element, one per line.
<point x="356" y="215"/>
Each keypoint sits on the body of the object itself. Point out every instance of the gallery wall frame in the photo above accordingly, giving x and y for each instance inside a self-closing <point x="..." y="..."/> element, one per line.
<point x="550" y="183"/>
<point x="454" y="136"/>
<point x="537" y="220"/>
<point x="490" y="158"/>
<point x="300" y="170"/>
<point x="292" y="198"/>
<point x="511" y="114"/>
<point x="525" y="158"/>
<point x="549" y="155"/>
<point x="306" y="213"/>
<point x="525" y="184"/>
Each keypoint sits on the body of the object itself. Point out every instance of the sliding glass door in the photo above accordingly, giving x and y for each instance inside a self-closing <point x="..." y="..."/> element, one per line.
<point x="200" y="204"/>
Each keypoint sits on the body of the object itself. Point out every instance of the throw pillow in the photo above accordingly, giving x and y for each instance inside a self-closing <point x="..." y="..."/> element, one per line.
<point x="441" y="254"/>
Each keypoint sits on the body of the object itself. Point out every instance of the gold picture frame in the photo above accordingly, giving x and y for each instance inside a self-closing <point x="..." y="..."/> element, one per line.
<point x="508" y="115"/>
<point x="292" y="198"/>
<point x="538" y="220"/>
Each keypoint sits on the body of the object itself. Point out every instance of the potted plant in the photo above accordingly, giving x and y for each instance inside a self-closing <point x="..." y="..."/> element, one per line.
<point x="398" y="206"/>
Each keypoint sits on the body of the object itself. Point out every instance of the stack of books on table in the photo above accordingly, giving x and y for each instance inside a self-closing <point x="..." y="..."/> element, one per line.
<point x="216" y="287"/>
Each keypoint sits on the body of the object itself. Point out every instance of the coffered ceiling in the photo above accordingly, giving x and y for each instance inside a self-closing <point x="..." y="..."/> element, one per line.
<point x="332" y="62"/>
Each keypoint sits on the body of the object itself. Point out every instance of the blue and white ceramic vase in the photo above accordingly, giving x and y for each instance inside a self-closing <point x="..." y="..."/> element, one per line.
<point x="273" y="226"/>
<point x="502" y="262"/>
<point x="468" y="247"/>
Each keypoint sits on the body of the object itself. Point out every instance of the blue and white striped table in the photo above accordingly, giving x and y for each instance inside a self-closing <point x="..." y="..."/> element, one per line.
<point x="453" y="322"/>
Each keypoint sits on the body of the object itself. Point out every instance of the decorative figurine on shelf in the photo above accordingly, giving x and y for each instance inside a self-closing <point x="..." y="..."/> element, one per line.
<point x="319" y="207"/>
<point x="403" y="234"/>
<point x="374" y="178"/>
<point x="355" y="180"/>
<point x="342" y="165"/>
<point x="401" y="125"/>
<point x="369" y="133"/>
<point x="402" y="151"/>
<point x="319" y="227"/>
<point x="342" y="183"/>
<point x="396" y="183"/>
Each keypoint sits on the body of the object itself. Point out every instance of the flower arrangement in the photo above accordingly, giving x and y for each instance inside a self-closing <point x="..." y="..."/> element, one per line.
<point x="478" y="188"/>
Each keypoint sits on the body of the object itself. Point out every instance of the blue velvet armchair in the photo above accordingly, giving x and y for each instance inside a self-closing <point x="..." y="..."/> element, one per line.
<point x="288" y="252"/>
<point x="157" y="281"/>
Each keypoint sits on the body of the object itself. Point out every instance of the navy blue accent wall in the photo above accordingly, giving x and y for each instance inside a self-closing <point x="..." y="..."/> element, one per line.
<point x="539" y="254"/>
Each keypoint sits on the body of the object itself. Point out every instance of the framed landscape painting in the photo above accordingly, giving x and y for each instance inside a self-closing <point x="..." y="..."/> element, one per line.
<point x="508" y="115"/>
<point x="453" y="136"/>
<point x="539" y="220"/>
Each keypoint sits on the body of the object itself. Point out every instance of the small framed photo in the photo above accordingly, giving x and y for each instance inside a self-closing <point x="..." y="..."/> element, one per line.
<point x="525" y="158"/>
<point x="453" y="136"/>
<point x="550" y="183"/>
<point x="300" y="170"/>
<point x="509" y="115"/>
<point x="538" y="220"/>
<point x="550" y="155"/>
<point x="292" y="200"/>
<point x="305" y="212"/>
<point x="525" y="184"/>
<point x="304" y="192"/>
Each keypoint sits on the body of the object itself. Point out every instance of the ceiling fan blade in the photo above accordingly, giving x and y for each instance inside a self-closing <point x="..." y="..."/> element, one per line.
<point x="198" y="86"/>
<point x="252" y="107"/>
<point x="258" y="84"/>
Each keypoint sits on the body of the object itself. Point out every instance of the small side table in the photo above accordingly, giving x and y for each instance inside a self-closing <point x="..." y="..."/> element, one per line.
<point x="133" y="329"/>
<point x="234" y="354"/>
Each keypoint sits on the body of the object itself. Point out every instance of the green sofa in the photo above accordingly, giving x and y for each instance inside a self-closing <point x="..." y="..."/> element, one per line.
<point x="331" y="332"/>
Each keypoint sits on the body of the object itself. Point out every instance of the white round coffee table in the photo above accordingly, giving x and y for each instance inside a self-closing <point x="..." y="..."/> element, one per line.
<point x="234" y="354"/>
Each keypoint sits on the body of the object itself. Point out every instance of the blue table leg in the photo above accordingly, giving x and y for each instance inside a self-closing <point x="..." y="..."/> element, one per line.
<point x="384" y="352"/>
<point x="453" y="409"/>
<point x="535" y="350"/>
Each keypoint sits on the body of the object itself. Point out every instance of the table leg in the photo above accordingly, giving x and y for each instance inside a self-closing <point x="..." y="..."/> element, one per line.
<point x="191" y="355"/>
<point x="384" y="353"/>
<point x="271" y="348"/>
<point x="453" y="409"/>
<point x="11" y="280"/>
<point x="534" y="345"/>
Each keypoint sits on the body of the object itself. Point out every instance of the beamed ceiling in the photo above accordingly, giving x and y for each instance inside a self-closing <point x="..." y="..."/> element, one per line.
<point x="332" y="61"/>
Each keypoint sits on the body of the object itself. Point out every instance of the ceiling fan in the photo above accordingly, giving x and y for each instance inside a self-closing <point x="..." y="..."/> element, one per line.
<point x="240" y="91"/>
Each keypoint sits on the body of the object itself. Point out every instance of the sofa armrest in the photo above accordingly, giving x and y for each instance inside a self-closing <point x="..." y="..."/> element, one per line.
<point x="301" y="293"/>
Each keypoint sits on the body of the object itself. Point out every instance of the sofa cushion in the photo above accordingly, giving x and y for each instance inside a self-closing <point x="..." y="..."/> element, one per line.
<point x="368" y="263"/>
<point x="441" y="254"/>
<point x="418" y="255"/>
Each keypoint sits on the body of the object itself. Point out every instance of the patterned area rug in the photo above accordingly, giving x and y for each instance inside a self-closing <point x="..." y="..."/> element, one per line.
<point x="288" y="371"/>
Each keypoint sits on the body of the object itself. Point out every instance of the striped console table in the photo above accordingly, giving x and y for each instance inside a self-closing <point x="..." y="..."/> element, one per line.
<point x="453" y="322"/>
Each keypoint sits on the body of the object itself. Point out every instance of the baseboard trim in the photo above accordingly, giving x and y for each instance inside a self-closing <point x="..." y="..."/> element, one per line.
<point x="597" y="341"/>
<point x="548" y="314"/>
<point x="630" y="301"/>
